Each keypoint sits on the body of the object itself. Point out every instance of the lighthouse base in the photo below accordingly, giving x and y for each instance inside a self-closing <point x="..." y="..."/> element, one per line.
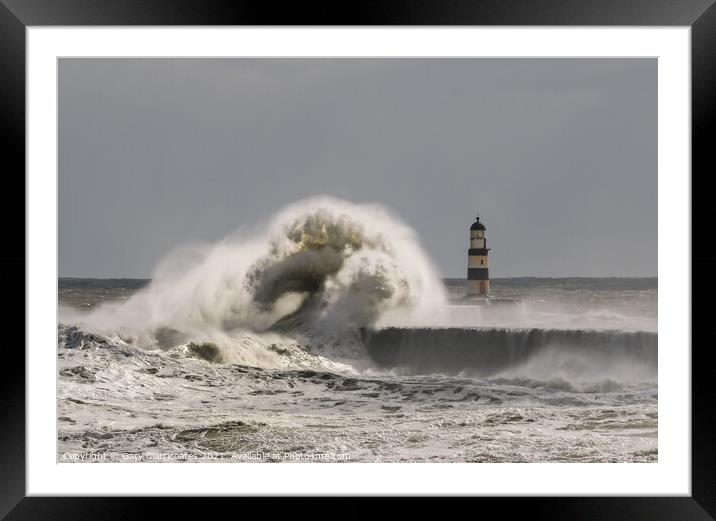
<point x="478" y="287"/>
<point x="486" y="300"/>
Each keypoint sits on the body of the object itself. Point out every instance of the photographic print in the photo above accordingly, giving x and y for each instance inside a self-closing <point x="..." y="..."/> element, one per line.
<point x="336" y="260"/>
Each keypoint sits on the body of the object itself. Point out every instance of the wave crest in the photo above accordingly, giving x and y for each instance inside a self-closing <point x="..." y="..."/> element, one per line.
<point x="320" y="266"/>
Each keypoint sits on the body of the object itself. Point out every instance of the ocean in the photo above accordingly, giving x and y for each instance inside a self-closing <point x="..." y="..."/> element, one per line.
<point x="567" y="372"/>
<point x="328" y="335"/>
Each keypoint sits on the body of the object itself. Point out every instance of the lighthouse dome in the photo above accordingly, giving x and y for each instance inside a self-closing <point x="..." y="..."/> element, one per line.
<point x="477" y="225"/>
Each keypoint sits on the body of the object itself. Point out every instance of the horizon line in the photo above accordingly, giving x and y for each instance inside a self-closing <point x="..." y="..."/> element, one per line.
<point x="442" y="277"/>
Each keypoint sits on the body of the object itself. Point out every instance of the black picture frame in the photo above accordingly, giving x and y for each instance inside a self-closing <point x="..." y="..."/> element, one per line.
<point x="17" y="15"/>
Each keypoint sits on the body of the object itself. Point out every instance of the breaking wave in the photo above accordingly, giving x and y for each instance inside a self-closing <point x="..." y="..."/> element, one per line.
<point x="341" y="286"/>
<point x="320" y="267"/>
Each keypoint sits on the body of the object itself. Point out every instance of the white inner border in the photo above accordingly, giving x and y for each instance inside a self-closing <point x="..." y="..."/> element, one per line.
<point x="670" y="476"/>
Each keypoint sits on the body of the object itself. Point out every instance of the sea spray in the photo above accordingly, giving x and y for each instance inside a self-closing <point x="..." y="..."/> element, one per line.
<point x="319" y="269"/>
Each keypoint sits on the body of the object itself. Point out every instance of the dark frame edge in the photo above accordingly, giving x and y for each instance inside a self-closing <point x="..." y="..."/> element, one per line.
<point x="703" y="125"/>
<point x="367" y="12"/>
<point x="539" y="508"/>
<point x="12" y="259"/>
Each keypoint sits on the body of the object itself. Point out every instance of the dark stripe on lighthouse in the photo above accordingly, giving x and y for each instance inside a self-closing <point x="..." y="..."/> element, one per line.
<point x="478" y="251"/>
<point x="477" y="274"/>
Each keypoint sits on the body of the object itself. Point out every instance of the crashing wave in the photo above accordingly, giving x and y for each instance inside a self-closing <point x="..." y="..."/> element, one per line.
<point x="321" y="268"/>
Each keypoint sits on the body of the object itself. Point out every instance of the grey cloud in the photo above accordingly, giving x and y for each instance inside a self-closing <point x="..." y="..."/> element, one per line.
<point x="558" y="155"/>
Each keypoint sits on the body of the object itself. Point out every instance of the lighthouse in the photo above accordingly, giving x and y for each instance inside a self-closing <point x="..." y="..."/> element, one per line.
<point x="478" y="278"/>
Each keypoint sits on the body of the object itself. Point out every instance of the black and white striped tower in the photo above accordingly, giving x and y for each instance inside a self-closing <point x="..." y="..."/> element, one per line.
<point x="478" y="278"/>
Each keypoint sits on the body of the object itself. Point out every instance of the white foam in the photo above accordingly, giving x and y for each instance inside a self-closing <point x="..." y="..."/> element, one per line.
<point x="322" y="265"/>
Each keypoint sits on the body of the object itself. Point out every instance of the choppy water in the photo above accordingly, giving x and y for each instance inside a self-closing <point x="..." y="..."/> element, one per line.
<point x="566" y="374"/>
<point x="326" y="334"/>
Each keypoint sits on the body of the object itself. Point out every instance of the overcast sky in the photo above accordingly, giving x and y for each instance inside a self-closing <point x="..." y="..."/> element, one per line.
<point x="558" y="155"/>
